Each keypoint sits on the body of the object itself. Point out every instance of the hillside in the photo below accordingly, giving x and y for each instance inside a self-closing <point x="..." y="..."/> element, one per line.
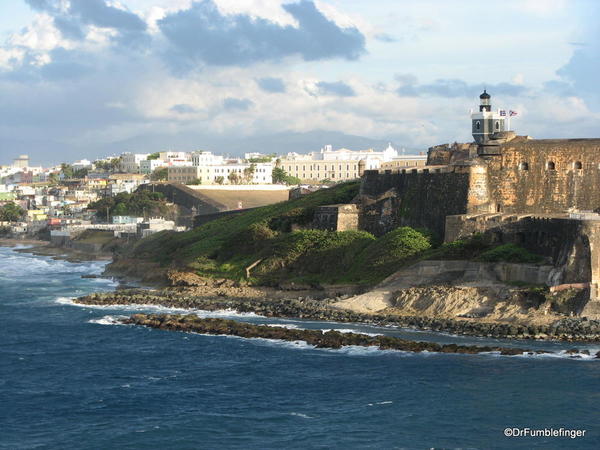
<point x="276" y="239"/>
<point x="274" y="245"/>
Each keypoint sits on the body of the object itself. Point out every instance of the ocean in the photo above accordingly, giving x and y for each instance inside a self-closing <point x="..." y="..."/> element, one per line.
<point x="71" y="378"/>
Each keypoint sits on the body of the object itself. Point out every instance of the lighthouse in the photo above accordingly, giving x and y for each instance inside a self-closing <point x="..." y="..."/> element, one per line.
<point x="486" y="122"/>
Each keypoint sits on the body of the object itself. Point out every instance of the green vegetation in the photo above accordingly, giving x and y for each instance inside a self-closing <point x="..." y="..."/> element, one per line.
<point x="263" y="159"/>
<point x="195" y="182"/>
<point x="160" y="174"/>
<point x="278" y="242"/>
<point x="11" y="212"/>
<point x="68" y="171"/>
<point x="510" y="253"/>
<point x="479" y="248"/>
<point x="280" y="176"/>
<point x="140" y="203"/>
<point x="109" y="166"/>
<point x="153" y="156"/>
<point x="227" y="246"/>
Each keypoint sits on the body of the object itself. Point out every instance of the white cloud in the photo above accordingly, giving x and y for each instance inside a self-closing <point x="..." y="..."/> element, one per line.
<point x="41" y="35"/>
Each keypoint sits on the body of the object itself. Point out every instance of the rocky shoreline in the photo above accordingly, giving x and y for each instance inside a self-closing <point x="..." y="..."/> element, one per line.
<point x="567" y="329"/>
<point x="320" y="339"/>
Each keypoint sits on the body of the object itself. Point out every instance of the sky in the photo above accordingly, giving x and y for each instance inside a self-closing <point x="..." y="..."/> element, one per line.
<point x="82" y="76"/>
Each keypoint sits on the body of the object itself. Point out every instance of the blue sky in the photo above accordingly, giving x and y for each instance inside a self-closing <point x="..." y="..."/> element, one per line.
<point x="83" y="73"/>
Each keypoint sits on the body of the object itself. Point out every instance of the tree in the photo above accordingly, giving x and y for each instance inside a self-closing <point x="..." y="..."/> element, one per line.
<point x="67" y="170"/>
<point x="278" y="175"/>
<point x="233" y="178"/>
<point x="219" y="180"/>
<point x="53" y="178"/>
<point x="289" y="180"/>
<point x="138" y="204"/>
<point x="152" y="156"/>
<point x="249" y="173"/>
<point x="195" y="182"/>
<point x="160" y="174"/>
<point x="11" y="212"/>
<point x="80" y="173"/>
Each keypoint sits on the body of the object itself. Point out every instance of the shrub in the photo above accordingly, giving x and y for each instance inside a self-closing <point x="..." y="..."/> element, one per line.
<point x="510" y="253"/>
<point x="462" y="248"/>
<point x="388" y="254"/>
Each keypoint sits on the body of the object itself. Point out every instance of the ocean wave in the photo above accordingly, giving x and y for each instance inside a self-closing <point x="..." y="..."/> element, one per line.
<point x="304" y="416"/>
<point x="387" y="402"/>
<point x="23" y="265"/>
<point x="158" y="308"/>
<point x="108" y="320"/>
<point x="349" y="330"/>
<point x="289" y="326"/>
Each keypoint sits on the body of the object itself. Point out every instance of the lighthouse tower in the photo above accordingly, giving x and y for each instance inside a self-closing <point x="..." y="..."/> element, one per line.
<point x="486" y="122"/>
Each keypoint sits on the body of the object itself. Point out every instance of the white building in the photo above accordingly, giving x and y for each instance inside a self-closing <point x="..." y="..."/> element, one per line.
<point x="335" y="165"/>
<point x="209" y="174"/>
<point x="130" y="162"/>
<point x="148" y="166"/>
<point x="82" y="164"/>
<point x="205" y="159"/>
<point x="168" y="156"/>
<point x="21" y="162"/>
<point x="343" y="154"/>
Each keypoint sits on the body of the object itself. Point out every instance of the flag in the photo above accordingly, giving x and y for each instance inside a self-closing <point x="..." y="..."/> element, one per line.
<point x="512" y="113"/>
<point x="503" y="112"/>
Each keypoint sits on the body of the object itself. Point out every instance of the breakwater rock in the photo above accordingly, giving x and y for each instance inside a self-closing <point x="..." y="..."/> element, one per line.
<point x="568" y="329"/>
<point x="320" y="339"/>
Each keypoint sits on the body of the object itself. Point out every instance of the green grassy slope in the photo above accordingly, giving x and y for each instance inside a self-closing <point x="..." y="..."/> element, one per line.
<point x="276" y="240"/>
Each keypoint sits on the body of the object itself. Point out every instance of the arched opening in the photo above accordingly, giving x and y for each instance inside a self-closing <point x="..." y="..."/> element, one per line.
<point x="477" y="125"/>
<point x="523" y="166"/>
<point x="497" y="126"/>
<point x="577" y="165"/>
<point x="550" y="165"/>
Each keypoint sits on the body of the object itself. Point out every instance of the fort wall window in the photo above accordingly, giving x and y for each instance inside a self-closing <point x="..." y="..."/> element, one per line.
<point x="550" y="165"/>
<point x="577" y="165"/>
<point x="523" y="166"/>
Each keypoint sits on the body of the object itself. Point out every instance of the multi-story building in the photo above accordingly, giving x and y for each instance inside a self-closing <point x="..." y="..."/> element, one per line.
<point x="404" y="161"/>
<point x="206" y="159"/>
<point x="336" y="165"/>
<point x="21" y="162"/>
<point x="212" y="174"/>
<point x="130" y="162"/>
<point x="343" y="154"/>
<point x="183" y="174"/>
<point x="82" y="164"/>
<point x="125" y="183"/>
<point x="314" y="171"/>
<point x="148" y="166"/>
<point x="168" y="156"/>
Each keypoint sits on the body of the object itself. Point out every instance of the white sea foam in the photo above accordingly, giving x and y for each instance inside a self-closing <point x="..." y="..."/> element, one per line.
<point x="304" y="416"/>
<point x="348" y="330"/>
<point x="158" y="308"/>
<point x="289" y="326"/>
<point x="388" y="402"/>
<point x="108" y="320"/>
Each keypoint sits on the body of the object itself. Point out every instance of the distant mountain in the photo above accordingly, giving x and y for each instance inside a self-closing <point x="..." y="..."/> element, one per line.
<point x="54" y="152"/>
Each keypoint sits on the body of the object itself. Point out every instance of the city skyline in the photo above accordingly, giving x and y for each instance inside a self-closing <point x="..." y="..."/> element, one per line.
<point x="89" y="78"/>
